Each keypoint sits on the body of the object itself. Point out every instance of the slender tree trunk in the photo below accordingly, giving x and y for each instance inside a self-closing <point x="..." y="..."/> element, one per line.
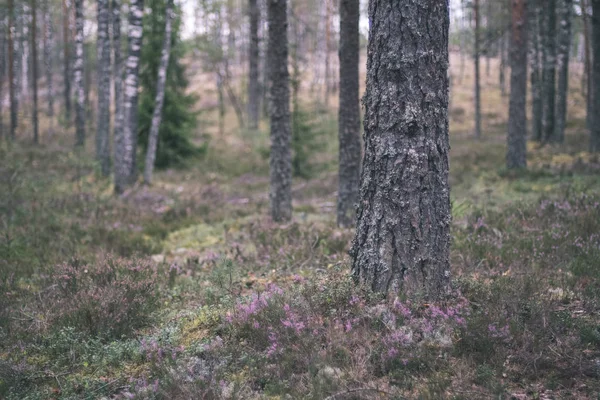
<point x="402" y="237"/>
<point x="476" y="56"/>
<point x="327" y="51"/>
<point x="160" y="96"/>
<point x="588" y="62"/>
<point x="349" y="114"/>
<point x="516" y="155"/>
<point x="549" y="70"/>
<point x="103" y="62"/>
<point x="253" y="73"/>
<point x="78" y="76"/>
<point x="117" y="73"/>
<point x="11" y="72"/>
<point x="48" y="39"/>
<point x="565" y="8"/>
<point x="66" y="61"/>
<point x="502" y="77"/>
<point x="595" y="131"/>
<point x="279" y="109"/>
<point x="221" y="94"/>
<point x="535" y="56"/>
<point x="25" y="37"/>
<point x="126" y="142"/>
<point x="34" y="67"/>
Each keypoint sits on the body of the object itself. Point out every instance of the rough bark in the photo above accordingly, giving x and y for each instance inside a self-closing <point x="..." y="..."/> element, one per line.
<point x="103" y="62"/>
<point x="349" y="114"/>
<point x="11" y="72"/>
<point x="117" y="71"/>
<point x="595" y="130"/>
<point x="549" y="70"/>
<point x="565" y="8"/>
<point x="535" y="57"/>
<point x="476" y="58"/>
<point x="160" y="96"/>
<point x="66" y="61"/>
<point x="516" y="155"/>
<point x="403" y="231"/>
<point x="126" y="141"/>
<point x="254" y="90"/>
<point x="34" y="68"/>
<point x="280" y="194"/>
<point x="48" y="39"/>
<point x="78" y="76"/>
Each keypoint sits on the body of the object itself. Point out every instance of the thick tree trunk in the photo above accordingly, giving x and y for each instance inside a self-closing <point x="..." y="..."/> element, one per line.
<point x="549" y="70"/>
<point x="280" y="195"/>
<point x="103" y="62"/>
<point x="160" y="96"/>
<point x="595" y="131"/>
<point x="535" y="56"/>
<point x="78" y="76"/>
<point x="402" y="238"/>
<point x="254" y="90"/>
<point x="476" y="57"/>
<point x="48" y="39"/>
<point x="11" y="72"/>
<point x="34" y="67"/>
<point x="516" y="154"/>
<point x="66" y="61"/>
<point x="565" y="8"/>
<point x="126" y="142"/>
<point x="349" y="114"/>
<point x="117" y="72"/>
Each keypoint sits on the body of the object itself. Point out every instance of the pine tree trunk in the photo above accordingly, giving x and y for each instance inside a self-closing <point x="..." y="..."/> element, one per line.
<point x="48" y="39"/>
<point x="516" y="155"/>
<point x="535" y="56"/>
<point x="254" y="90"/>
<point x="279" y="111"/>
<point x="565" y="8"/>
<point x="78" y="76"/>
<point x="103" y="62"/>
<point x="549" y="70"/>
<point x="67" y="62"/>
<point x="349" y="114"/>
<point x="126" y="141"/>
<point x="160" y="96"/>
<point x="588" y="63"/>
<point x="34" y="67"/>
<point x="11" y="72"/>
<point x="476" y="56"/>
<point x="595" y="131"/>
<point x="403" y="232"/>
<point x="117" y="72"/>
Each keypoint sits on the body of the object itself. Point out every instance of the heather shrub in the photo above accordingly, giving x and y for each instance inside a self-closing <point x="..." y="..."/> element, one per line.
<point x="110" y="298"/>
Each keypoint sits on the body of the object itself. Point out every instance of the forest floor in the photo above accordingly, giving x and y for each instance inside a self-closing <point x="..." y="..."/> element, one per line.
<point x="186" y="289"/>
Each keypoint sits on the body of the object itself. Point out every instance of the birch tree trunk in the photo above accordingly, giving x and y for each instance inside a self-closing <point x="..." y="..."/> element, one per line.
<point x="103" y="62"/>
<point x="160" y="96"/>
<point x="549" y="70"/>
<point x="34" y="67"/>
<point x="565" y="8"/>
<point x="11" y="71"/>
<point x="535" y="57"/>
<point x="24" y="39"/>
<point x="588" y="62"/>
<point x="595" y="131"/>
<point x="48" y="40"/>
<point x="3" y="54"/>
<point x="349" y="114"/>
<point x="78" y="76"/>
<point x="402" y="237"/>
<point x="280" y="195"/>
<point x="117" y="71"/>
<point x="516" y="154"/>
<point x="126" y="139"/>
<point x="476" y="55"/>
<point x="66" y="61"/>
<point x="253" y="67"/>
